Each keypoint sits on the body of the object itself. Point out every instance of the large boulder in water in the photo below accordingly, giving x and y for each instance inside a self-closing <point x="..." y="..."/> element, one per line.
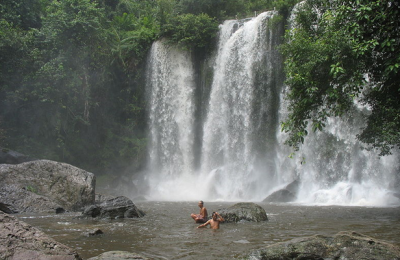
<point x="244" y="211"/>
<point x="19" y="240"/>
<point x="113" y="208"/>
<point x="18" y="199"/>
<point x="63" y="184"/>
<point x="287" y="194"/>
<point x="343" y="245"/>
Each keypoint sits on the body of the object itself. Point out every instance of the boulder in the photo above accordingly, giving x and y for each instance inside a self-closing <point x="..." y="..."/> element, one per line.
<point x="118" y="255"/>
<point x="282" y="195"/>
<point x="244" y="212"/>
<point x="287" y="194"/>
<point x="19" y="240"/>
<point x="20" y="200"/>
<point x="67" y="186"/>
<point x="343" y="245"/>
<point x="93" y="232"/>
<point x="12" y="157"/>
<point x="100" y="198"/>
<point x="117" y="207"/>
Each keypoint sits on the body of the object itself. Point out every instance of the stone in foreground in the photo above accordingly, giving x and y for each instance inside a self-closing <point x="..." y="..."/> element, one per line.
<point x="19" y="240"/>
<point x="343" y="245"/>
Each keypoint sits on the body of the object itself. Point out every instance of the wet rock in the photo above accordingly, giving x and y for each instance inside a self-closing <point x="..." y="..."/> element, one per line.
<point x="282" y="195"/>
<point x="118" y="255"/>
<point x="100" y="198"/>
<point x="12" y="157"/>
<point x="244" y="211"/>
<point x="287" y="194"/>
<point x="65" y="185"/>
<point x="6" y="208"/>
<point x="19" y="240"/>
<point x="93" y="232"/>
<point x="343" y="245"/>
<point x="117" y="207"/>
<point x="20" y="200"/>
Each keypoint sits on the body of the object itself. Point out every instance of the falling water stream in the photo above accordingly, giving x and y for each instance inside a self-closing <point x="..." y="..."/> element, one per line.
<point x="242" y="153"/>
<point x="227" y="147"/>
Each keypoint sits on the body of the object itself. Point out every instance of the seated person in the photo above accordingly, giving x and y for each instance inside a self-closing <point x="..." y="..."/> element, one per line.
<point x="202" y="217"/>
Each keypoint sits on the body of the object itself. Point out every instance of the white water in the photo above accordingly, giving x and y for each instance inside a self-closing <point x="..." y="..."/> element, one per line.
<point x="170" y="85"/>
<point x="242" y="153"/>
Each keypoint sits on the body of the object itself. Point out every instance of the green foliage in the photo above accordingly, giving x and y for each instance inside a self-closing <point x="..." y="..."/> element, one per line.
<point x="192" y="30"/>
<point x="329" y="52"/>
<point x="31" y="189"/>
<point x="71" y="72"/>
<point x="61" y="91"/>
<point x="22" y="13"/>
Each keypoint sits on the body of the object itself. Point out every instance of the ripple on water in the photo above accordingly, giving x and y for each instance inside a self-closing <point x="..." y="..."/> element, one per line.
<point x="173" y="234"/>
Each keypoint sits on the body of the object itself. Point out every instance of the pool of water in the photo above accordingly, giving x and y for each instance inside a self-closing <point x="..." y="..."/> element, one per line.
<point x="168" y="232"/>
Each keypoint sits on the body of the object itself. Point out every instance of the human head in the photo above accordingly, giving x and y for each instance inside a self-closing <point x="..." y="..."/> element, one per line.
<point x="214" y="215"/>
<point x="201" y="203"/>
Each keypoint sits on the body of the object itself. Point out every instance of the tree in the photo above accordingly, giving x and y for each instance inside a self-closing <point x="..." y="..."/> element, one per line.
<point x="192" y="30"/>
<point x="340" y="51"/>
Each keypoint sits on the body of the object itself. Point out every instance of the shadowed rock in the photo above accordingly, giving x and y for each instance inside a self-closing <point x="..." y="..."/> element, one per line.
<point x="7" y="208"/>
<point x="12" y="157"/>
<point x="117" y="207"/>
<point x="93" y="232"/>
<point x="287" y="194"/>
<point x="343" y="245"/>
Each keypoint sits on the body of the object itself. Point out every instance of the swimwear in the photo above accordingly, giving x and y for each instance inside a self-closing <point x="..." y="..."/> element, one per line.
<point x="201" y="219"/>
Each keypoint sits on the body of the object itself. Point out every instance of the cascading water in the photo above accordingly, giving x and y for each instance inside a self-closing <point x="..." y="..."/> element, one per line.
<point x="241" y="107"/>
<point x="242" y="152"/>
<point x="170" y="85"/>
<point x="337" y="170"/>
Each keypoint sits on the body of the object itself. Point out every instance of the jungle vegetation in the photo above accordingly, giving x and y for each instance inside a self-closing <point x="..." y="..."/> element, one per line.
<point x="342" y="51"/>
<point x="72" y="71"/>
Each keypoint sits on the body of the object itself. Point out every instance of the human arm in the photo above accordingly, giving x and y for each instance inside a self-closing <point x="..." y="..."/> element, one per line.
<point x="205" y="224"/>
<point x="220" y="218"/>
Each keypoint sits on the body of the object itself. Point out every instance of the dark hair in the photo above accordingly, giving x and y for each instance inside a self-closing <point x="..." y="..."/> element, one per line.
<point x="201" y="202"/>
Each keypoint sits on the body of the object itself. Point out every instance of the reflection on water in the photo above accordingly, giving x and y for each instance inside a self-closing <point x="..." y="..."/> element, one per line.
<point x="168" y="232"/>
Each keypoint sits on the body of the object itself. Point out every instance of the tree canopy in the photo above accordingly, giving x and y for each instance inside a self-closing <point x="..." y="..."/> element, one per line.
<point x="71" y="72"/>
<point x="342" y="51"/>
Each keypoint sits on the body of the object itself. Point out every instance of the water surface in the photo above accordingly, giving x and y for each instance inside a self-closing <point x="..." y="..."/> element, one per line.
<point x="168" y="232"/>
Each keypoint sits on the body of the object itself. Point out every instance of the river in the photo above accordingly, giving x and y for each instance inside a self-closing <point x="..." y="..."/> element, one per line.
<point x="168" y="232"/>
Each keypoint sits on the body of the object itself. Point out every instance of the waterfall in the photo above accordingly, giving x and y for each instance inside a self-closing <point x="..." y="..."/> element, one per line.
<point x="239" y="112"/>
<point x="239" y="153"/>
<point x="170" y="85"/>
